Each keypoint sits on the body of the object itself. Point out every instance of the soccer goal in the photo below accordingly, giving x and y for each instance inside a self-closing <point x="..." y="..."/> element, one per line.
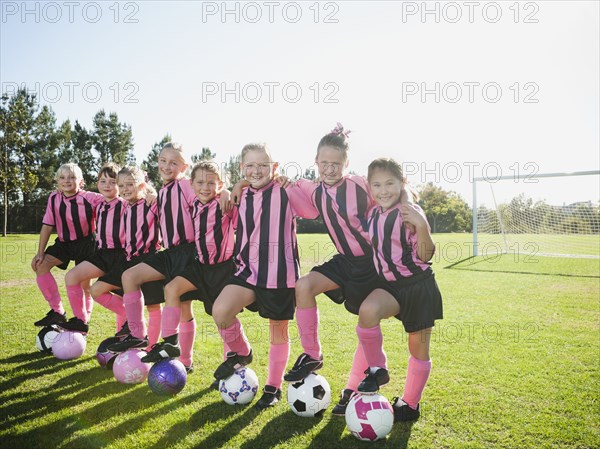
<point x="552" y="214"/>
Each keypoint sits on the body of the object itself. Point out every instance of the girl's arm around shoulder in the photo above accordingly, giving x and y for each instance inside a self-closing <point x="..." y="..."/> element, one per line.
<point x="301" y="201"/>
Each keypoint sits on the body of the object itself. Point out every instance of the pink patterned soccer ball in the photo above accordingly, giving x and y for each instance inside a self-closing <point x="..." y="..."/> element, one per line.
<point x="128" y="367"/>
<point x="369" y="417"/>
<point x="68" y="345"/>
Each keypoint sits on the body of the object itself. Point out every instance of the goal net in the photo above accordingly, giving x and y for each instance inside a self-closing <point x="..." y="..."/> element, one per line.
<point x="555" y="214"/>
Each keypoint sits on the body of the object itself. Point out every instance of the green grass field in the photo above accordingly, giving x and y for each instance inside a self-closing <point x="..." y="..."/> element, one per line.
<point x="515" y="365"/>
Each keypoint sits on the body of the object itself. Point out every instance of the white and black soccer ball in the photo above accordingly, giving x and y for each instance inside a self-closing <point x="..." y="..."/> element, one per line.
<point x="45" y="338"/>
<point x="369" y="417"/>
<point x="239" y="388"/>
<point x="309" y="397"/>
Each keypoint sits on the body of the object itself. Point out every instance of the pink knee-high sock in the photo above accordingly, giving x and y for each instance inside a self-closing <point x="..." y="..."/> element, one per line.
<point x="120" y="321"/>
<point x="75" y="295"/>
<point x="279" y="355"/>
<point x="417" y="374"/>
<point x="154" y="323"/>
<point x="187" y="334"/>
<point x="371" y="340"/>
<point x="307" y="321"/>
<point x="49" y="288"/>
<point x="359" y="365"/>
<point x="134" y="308"/>
<point x="234" y="337"/>
<point x="89" y="305"/>
<point x="170" y="321"/>
<point x="114" y="303"/>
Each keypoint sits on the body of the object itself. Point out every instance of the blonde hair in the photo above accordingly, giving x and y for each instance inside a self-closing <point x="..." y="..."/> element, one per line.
<point x="177" y="147"/>
<point x="210" y="167"/>
<point x="256" y="147"/>
<point x="72" y="169"/>
<point x="139" y="176"/>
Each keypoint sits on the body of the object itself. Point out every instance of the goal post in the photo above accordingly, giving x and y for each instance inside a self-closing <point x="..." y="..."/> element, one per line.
<point x="549" y="214"/>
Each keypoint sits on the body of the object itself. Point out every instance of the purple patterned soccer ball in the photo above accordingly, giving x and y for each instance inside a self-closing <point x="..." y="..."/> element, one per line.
<point x="128" y="367"/>
<point x="369" y="417"/>
<point x="167" y="377"/>
<point x="105" y="358"/>
<point x="68" y="345"/>
<point x="239" y="388"/>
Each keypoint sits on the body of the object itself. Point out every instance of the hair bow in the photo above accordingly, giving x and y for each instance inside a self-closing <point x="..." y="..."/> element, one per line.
<point x="340" y="131"/>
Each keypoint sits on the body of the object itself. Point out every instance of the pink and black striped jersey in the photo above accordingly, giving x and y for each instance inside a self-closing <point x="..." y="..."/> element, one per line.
<point x="344" y="208"/>
<point x="214" y="232"/>
<point x="394" y="245"/>
<point x="175" y="203"/>
<point x="141" y="229"/>
<point x="266" y="248"/>
<point x="110" y="228"/>
<point x="73" y="216"/>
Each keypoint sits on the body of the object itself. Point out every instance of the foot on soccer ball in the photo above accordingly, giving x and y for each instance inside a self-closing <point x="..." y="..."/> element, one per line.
<point x="189" y="369"/>
<point x="340" y="408"/>
<point x="51" y="318"/>
<point x="215" y="385"/>
<point x="161" y="351"/>
<point x="271" y="396"/>
<point x="129" y="342"/>
<point x="124" y="331"/>
<point x="403" y="412"/>
<point x="304" y="365"/>
<point x="374" y="380"/>
<point x="74" y="324"/>
<point x="231" y="364"/>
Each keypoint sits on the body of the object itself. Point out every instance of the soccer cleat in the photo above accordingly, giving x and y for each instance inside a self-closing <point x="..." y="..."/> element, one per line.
<point x="340" y="408"/>
<point x="51" y="318"/>
<point x="74" y="324"/>
<point x="215" y="385"/>
<point x="231" y="364"/>
<point x="189" y="369"/>
<point x="304" y="365"/>
<point x="403" y="412"/>
<point x="124" y="331"/>
<point x="373" y="381"/>
<point x="129" y="342"/>
<point x="161" y="351"/>
<point x="271" y="396"/>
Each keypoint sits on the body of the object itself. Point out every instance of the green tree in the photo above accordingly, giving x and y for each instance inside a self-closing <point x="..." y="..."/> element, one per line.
<point x="445" y="210"/>
<point x="150" y="164"/>
<point x="233" y="172"/>
<point x="112" y="140"/>
<point x="205" y="155"/>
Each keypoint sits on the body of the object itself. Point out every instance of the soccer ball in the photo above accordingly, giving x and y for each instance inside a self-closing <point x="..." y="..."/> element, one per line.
<point x="128" y="367"/>
<point x="105" y="358"/>
<point x="369" y="417"/>
<point x="239" y="388"/>
<point x="45" y="338"/>
<point x="167" y="377"/>
<point x="68" y="345"/>
<point x="309" y="397"/>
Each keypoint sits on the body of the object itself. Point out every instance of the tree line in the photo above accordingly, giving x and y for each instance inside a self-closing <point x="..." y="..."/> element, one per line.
<point x="33" y="145"/>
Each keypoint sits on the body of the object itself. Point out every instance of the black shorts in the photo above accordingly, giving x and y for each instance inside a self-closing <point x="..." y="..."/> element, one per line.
<point x="356" y="277"/>
<point x="106" y="259"/>
<point x="419" y="298"/>
<point x="209" y="281"/>
<point x="273" y="303"/>
<point x="153" y="291"/>
<point x="172" y="261"/>
<point x="77" y="250"/>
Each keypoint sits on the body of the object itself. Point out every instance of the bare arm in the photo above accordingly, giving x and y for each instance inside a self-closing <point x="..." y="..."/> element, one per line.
<point x="425" y="246"/>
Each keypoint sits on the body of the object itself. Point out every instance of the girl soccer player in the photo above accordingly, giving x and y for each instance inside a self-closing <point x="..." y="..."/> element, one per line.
<point x="110" y="250"/>
<point x="268" y="266"/>
<point x="409" y="291"/>
<point x="70" y="211"/>
<point x="175" y="201"/>
<point x="212" y="268"/>
<point x="141" y="237"/>
<point x="343" y="202"/>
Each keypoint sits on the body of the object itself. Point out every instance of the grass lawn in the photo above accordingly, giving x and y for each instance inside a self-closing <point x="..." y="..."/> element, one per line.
<point x="515" y="365"/>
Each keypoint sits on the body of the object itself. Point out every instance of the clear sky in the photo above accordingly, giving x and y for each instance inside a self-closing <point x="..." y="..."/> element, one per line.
<point x="451" y="89"/>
